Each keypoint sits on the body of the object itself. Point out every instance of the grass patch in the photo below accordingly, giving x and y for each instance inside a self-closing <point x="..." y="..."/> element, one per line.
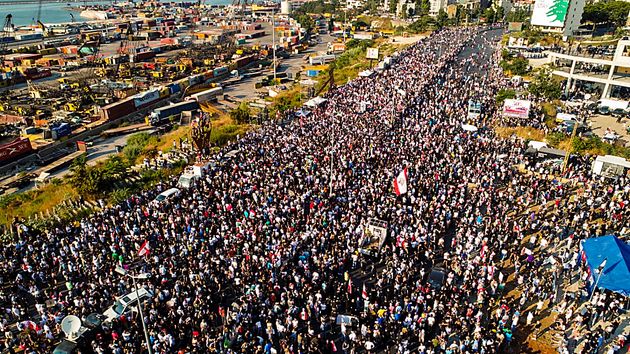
<point x="527" y="133"/>
<point x="26" y="205"/>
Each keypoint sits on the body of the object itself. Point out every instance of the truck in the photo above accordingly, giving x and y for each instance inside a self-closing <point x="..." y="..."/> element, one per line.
<point x="474" y="109"/>
<point x="208" y="95"/>
<point x="321" y="60"/>
<point x="193" y="173"/>
<point x="162" y="114"/>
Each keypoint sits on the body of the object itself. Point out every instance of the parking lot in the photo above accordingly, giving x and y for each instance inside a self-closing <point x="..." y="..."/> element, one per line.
<point x="600" y="123"/>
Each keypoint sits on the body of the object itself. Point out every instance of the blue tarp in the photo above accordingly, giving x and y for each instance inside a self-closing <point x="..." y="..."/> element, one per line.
<point x="616" y="273"/>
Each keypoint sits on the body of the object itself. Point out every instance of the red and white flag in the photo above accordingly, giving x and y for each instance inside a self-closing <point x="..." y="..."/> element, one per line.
<point x="400" y="183"/>
<point x="145" y="249"/>
<point x="364" y="293"/>
<point x="349" y="286"/>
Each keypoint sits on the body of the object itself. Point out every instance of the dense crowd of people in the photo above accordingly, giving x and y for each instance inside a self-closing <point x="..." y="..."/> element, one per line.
<point x="264" y="253"/>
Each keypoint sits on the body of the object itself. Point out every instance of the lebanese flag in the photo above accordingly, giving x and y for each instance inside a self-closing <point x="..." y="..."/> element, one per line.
<point x="400" y="183"/>
<point x="349" y="286"/>
<point x="364" y="293"/>
<point x="145" y="249"/>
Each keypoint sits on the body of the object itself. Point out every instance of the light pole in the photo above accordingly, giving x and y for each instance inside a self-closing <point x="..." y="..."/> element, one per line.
<point x="273" y="39"/>
<point x="124" y="272"/>
<point x="600" y="270"/>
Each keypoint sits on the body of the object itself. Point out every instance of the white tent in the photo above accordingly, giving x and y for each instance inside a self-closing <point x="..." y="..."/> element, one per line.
<point x="469" y="128"/>
<point x="537" y="144"/>
<point x="366" y="73"/>
<point x="315" y="101"/>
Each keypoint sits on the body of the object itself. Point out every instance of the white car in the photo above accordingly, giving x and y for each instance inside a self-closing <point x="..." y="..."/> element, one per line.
<point x="125" y="304"/>
<point x="167" y="194"/>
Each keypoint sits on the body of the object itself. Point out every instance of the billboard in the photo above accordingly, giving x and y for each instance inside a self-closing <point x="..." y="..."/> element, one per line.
<point x="516" y="108"/>
<point x="372" y="53"/>
<point x="550" y="13"/>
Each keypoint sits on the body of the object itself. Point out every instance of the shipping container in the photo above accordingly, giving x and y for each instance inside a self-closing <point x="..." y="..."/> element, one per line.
<point x="142" y="56"/>
<point x="60" y="131"/>
<point x="174" y="88"/>
<point x="12" y="151"/>
<point x="118" y="109"/>
<point x="162" y="114"/>
<point x="196" y="79"/>
<point x="208" y="95"/>
<point x="29" y="36"/>
<point x="220" y="71"/>
<point x="143" y="99"/>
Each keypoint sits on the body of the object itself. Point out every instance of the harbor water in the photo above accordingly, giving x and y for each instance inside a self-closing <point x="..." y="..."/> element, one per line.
<point x="56" y="12"/>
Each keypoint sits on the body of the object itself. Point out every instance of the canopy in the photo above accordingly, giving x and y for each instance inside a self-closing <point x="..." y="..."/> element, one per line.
<point x="315" y="101"/>
<point x="616" y="273"/>
<point x="469" y="127"/>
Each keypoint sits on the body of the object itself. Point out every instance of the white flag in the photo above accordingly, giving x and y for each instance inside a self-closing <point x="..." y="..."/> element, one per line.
<point x="400" y="183"/>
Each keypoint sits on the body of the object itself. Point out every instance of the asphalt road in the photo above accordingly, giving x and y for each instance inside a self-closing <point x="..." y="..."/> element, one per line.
<point x="246" y="88"/>
<point x="100" y="150"/>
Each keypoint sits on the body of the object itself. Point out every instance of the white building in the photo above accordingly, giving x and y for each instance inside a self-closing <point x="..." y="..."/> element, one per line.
<point x="436" y="5"/>
<point x="558" y="16"/>
<point x="612" y="71"/>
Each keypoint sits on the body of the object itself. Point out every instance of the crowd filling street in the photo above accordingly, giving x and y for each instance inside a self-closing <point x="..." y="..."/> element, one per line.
<point x="264" y="253"/>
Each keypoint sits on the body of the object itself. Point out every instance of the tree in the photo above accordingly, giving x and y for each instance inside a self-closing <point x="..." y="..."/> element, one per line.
<point x="489" y="14"/>
<point x="422" y="24"/>
<point x="393" y="4"/>
<point x="442" y="18"/>
<point x="518" y="15"/>
<point x="500" y="14"/>
<point x="403" y="12"/>
<point x="504" y="94"/>
<point x="306" y="22"/>
<point x="241" y="114"/>
<point x="611" y="12"/>
<point x="543" y="86"/>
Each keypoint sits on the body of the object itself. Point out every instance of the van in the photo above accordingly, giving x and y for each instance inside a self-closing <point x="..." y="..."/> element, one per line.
<point x="167" y="194"/>
<point x="126" y="303"/>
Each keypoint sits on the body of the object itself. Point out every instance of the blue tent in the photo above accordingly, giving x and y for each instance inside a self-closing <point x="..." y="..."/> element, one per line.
<point x="616" y="273"/>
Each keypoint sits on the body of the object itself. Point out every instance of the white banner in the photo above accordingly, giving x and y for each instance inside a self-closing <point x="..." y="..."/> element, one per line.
<point x="551" y="13"/>
<point x="372" y="53"/>
<point x="516" y="108"/>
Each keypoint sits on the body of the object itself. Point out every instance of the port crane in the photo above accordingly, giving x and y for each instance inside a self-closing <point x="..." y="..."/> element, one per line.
<point x="6" y="30"/>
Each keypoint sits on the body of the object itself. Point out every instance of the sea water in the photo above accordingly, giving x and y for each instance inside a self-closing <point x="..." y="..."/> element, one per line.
<point x="57" y="12"/>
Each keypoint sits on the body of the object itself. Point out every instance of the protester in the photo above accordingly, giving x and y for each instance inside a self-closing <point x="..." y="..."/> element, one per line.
<point x="264" y="253"/>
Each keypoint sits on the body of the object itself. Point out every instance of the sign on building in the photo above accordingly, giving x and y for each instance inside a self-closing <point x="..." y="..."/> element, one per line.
<point x="550" y="13"/>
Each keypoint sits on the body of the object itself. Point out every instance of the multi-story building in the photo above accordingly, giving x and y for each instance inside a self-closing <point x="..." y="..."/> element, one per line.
<point x="436" y="5"/>
<point x="558" y="16"/>
<point x="607" y="71"/>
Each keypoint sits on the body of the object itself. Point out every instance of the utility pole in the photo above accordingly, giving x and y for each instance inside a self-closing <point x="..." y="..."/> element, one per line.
<point x="124" y="272"/>
<point x="273" y="39"/>
<point x="345" y="13"/>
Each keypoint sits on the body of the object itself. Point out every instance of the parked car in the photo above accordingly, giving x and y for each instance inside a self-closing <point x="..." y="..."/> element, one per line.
<point x="619" y="112"/>
<point x="167" y="194"/>
<point x="437" y="277"/>
<point x="603" y="110"/>
<point x="126" y="304"/>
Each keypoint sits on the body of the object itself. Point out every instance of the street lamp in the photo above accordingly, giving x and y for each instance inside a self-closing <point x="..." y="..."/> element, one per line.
<point x="141" y="276"/>
<point x="600" y="270"/>
<point x="273" y="39"/>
